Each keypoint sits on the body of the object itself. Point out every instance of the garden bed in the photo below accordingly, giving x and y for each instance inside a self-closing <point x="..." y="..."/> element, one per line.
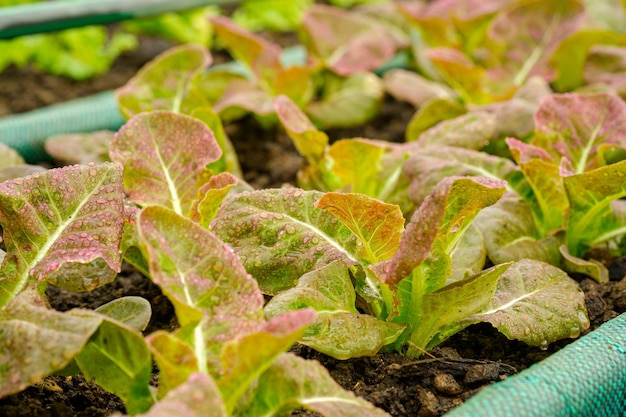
<point x="444" y="378"/>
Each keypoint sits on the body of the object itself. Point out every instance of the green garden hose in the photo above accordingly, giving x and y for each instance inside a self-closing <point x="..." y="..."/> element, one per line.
<point x="27" y="132"/>
<point x="49" y="16"/>
<point x="585" y="378"/>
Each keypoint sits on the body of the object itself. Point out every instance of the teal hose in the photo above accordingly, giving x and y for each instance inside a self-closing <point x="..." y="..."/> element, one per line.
<point x="27" y="132"/>
<point x="49" y="16"/>
<point x="586" y="378"/>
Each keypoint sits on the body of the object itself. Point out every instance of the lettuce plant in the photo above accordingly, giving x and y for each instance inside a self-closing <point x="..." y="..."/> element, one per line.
<point x="70" y="227"/>
<point x="563" y="181"/>
<point x="79" y="53"/>
<point x="485" y="54"/>
<point x="218" y="304"/>
<point x="376" y="285"/>
<point x="344" y="82"/>
<point x="63" y="227"/>
<point x="173" y="82"/>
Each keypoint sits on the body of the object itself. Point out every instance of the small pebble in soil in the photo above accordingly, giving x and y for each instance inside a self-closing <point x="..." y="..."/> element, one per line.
<point x="430" y="404"/>
<point x="446" y="384"/>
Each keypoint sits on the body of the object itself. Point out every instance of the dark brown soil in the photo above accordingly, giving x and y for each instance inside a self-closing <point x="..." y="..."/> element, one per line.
<point x="447" y="376"/>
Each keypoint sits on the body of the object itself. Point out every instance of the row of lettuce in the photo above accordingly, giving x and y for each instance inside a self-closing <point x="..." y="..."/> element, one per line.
<point x="504" y="188"/>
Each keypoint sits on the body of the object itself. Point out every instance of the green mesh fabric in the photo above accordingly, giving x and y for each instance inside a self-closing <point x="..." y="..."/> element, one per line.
<point x="27" y="132"/>
<point x="586" y="378"/>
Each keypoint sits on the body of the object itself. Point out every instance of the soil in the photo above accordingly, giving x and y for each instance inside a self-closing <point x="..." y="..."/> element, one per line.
<point x="447" y="376"/>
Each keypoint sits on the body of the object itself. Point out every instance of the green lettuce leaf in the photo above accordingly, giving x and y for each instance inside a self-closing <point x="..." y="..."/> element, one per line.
<point x="118" y="359"/>
<point x="339" y="330"/>
<point x="132" y="311"/>
<point x="592" y="220"/>
<point x="280" y="235"/>
<point x="431" y="113"/>
<point x="359" y="96"/>
<point x="445" y="311"/>
<point x="537" y="304"/>
<point x="570" y="56"/>
<point x="510" y="233"/>
<point x="547" y="201"/>
<point x="175" y="358"/>
<point x="294" y="382"/>
<point x="246" y="357"/>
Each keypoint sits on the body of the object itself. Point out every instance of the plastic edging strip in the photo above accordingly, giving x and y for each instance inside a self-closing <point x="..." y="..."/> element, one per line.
<point x="585" y="378"/>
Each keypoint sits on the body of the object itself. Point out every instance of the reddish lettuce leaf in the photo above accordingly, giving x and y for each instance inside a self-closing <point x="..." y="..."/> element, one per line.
<point x="472" y="131"/>
<point x="308" y="140"/>
<point x="605" y="67"/>
<point x="270" y="77"/>
<point x="198" y="396"/>
<point x="425" y="169"/>
<point x="523" y="37"/>
<point x="346" y="42"/>
<point x="198" y="274"/>
<point x="357" y="165"/>
<point x="80" y="148"/>
<point x="164" y="154"/>
<point x="12" y="165"/>
<point x="413" y="88"/>
<point x="176" y="81"/>
<point x="37" y="341"/>
<point x="436" y="225"/>
<point x="165" y="82"/>
<point x="62" y="226"/>
<point x="575" y="125"/>
<point x="218" y="305"/>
